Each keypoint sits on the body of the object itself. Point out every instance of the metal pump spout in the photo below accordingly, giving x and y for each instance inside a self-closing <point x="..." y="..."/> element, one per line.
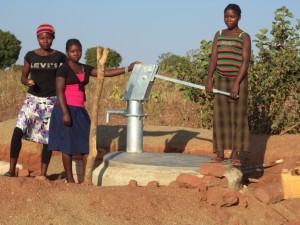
<point x="115" y="112"/>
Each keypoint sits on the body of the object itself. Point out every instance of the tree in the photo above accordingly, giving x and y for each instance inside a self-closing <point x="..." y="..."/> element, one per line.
<point x="275" y="77"/>
<point x="114" y="59"/>
<point x="10" y="48"/>
<point x="193" y="68"/>
<point x="168" y="60"/>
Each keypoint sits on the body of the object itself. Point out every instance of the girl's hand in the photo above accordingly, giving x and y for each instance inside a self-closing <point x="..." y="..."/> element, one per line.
<point x="208" y="86"/>
<point x="130" y="67"/>
<point x="67" y="119"/>
<point x="234" y="92"/>
<point x="29" y="82"/>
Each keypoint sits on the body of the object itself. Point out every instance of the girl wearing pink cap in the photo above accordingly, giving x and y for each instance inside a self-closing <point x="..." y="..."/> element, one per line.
<point x="34" y="116"/>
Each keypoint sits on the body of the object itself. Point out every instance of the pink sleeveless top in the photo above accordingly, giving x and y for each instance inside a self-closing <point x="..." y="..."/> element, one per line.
<point x="74" y="96"/>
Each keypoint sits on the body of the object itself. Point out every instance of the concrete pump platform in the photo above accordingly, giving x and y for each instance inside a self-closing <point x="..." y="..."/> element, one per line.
<point x="119" y="168"/>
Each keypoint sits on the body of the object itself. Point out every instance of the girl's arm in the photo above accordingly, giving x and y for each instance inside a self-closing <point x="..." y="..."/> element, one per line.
<point x="25" y="74"/>
<point x="246" y="55"/>
<point x="212" y="66"/>
<point x="115" y="72"/>
<point x="61" y="98"/>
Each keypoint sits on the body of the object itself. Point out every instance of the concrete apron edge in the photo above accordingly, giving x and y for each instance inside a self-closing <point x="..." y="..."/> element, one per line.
<point x="119" y="168"/>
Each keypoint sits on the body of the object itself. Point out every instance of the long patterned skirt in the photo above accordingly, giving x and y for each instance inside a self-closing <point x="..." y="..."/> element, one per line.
<point x="230" y="118"/>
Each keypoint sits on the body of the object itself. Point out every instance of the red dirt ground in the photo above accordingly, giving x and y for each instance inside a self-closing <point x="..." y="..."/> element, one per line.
<point x="25" y="200"/>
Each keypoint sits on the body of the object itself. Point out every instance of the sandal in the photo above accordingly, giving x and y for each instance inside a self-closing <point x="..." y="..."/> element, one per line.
<point x="236" y="162"/>
<point x="217" y="160"/>
<point x="8" y="174"/>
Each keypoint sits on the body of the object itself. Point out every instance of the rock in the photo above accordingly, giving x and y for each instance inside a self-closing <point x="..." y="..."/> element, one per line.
<point x="190" y="180"/>
<point x="132" y="183"/>
<point x="153" y="184"/>
<point x="213" y="169"/>
<point x="221" y="197"/>
<point x="269" y="195"/>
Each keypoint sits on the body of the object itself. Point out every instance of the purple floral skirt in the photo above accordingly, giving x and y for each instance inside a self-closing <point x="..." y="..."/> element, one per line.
<point x="34" y="118"/>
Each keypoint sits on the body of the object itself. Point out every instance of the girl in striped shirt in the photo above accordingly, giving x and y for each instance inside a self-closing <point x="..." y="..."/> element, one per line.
<point x="227" y="71"/>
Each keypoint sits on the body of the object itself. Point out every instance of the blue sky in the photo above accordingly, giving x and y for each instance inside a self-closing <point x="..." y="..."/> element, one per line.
<point x="137" y="29"/>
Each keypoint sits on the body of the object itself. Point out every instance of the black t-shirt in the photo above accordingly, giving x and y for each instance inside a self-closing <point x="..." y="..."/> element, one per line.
<point x="43" y="71"/>
<point x="71" y="78"/>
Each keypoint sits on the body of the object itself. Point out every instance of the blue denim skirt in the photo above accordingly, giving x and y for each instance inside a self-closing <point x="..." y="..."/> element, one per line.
<point x="72" y="139"/>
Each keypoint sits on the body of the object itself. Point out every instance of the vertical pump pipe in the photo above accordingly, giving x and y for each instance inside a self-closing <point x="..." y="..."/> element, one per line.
<point x="135" y="119"/>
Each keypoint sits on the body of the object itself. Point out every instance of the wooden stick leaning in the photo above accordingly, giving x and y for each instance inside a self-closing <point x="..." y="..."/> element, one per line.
<point x="101" y="59"/>
<point x="289" y="129"/>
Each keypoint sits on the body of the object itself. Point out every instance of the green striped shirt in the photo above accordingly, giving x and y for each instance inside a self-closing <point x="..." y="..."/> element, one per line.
<point x="229" y="51"/>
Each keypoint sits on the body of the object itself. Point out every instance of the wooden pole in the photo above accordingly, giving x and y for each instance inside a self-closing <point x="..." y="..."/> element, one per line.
<point x="101" y="59"/>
